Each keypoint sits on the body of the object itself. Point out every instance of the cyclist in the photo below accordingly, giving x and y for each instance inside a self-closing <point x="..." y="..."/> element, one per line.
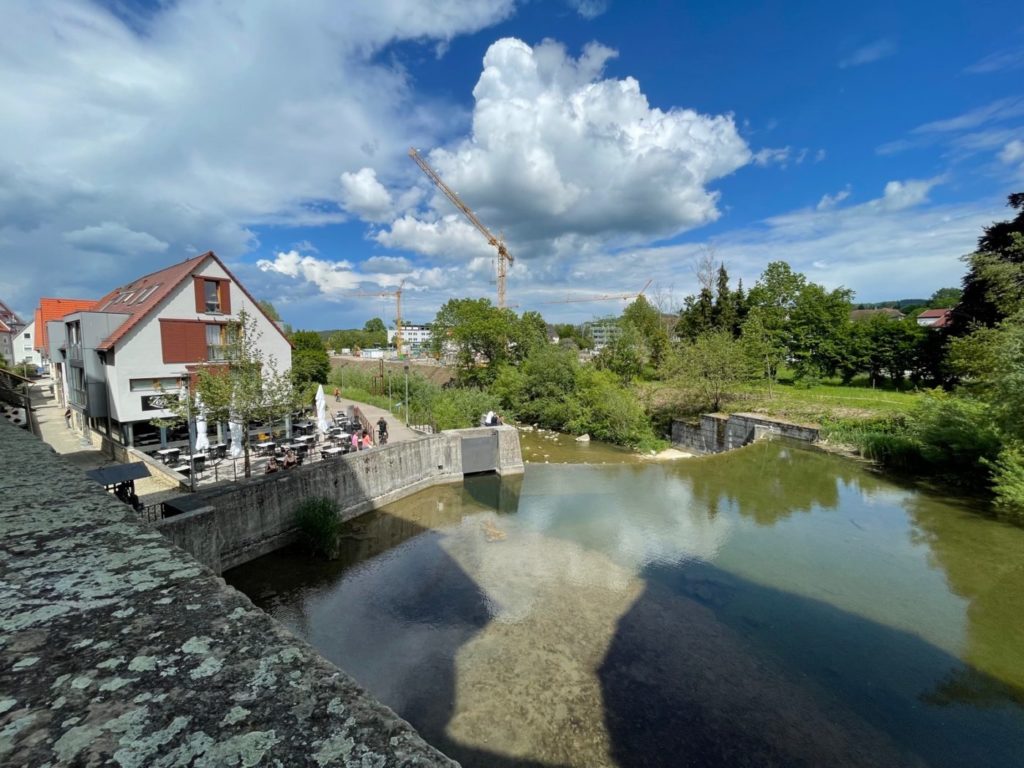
<point x="382" y="431"/>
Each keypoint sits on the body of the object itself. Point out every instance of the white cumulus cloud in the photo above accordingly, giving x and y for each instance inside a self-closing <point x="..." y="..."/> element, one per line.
<point x="557" y="151"/>
<point x="196" y="121"/>
<point x="362" y="194"/>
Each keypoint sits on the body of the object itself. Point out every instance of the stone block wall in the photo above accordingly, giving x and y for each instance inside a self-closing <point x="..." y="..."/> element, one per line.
<point x="121" y="649"/>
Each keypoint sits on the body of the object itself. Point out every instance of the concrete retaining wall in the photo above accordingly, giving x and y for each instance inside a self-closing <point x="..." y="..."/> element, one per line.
<point x="717" y="432"/>
<point x="235" y="523"/>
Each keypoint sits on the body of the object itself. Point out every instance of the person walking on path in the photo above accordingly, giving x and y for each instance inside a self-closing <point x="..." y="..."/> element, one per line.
<point x="67" y="418"/>
<point x="337" y="395"/>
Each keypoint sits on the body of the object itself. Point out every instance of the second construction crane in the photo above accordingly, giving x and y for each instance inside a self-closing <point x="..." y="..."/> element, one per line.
<point x="397" y="296"/>
<point x="504" y="257"/>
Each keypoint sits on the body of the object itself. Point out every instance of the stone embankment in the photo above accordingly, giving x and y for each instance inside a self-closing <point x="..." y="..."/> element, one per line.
<point x="717" y="432"/>
<point x="119" y="648"/>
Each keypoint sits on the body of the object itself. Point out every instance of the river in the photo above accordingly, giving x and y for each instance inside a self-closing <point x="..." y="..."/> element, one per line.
<point x="773" y="606"/>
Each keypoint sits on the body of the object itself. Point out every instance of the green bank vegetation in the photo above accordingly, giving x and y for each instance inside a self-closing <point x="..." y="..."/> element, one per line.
<point x="943" y="401"/>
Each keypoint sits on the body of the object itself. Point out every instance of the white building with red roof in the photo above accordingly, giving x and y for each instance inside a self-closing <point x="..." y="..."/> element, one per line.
<point x="121" y="356"/>
<point x="934" y="318"/>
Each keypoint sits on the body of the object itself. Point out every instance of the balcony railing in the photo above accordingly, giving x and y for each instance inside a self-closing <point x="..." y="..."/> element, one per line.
<point x="77" y="397"/>
<point x="74" y="351"/>
<point x="215" y="352"/>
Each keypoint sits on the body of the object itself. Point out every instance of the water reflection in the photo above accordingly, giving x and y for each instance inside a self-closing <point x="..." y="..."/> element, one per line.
<point x="769" y="482"/>
<point x="673" y="615"/>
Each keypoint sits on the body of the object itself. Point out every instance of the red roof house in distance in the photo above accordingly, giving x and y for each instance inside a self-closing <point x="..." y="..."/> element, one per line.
<point x="50" y="310"/>
<point x="934" y="318"/>
<point x="121" y="356"/>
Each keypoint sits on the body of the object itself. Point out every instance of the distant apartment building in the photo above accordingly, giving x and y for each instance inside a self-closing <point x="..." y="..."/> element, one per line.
<point x="25" y="348"/>
<point x="414" y="337"/>
<point x="119" y="358"/>
<point x="602" y="332"/>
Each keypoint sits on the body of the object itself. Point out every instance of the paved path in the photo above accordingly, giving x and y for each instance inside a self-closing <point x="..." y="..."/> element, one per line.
<point x="80" y="452"/>
<point x="397" y="431"/>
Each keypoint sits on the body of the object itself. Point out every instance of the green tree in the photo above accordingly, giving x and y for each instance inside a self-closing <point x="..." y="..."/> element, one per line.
<point x="310" y="363"/>
<point x="944" y="298"/>
<point x="246" y="387"/>
<point x="724" y="316"/>
<point x="375" y="325"/>
<point x="816" y="329"/>
<point x="626" y="356"/>
<point x="695" y="317"/>
<point x="481" y="336"/>
<point x="999" y="246"/>
<point x="715" y="363"/>
<point x="269" y="309"/>
<point x="646" y="319"/>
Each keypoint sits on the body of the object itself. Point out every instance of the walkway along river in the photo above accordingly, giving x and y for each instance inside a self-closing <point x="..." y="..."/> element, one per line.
<point x="769" y="606"/>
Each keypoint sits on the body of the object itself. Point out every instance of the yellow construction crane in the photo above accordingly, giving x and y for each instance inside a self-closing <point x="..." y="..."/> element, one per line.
<point x="603" y="297"/>
<point x="504" y="257"/>
<point x="397" y="294"/>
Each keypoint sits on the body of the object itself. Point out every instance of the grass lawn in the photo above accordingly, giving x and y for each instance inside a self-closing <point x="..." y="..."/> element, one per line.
<point x="822" y="401"/>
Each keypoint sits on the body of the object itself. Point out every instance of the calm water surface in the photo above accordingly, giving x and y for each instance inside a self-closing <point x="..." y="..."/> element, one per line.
<point x="769" y="607"/>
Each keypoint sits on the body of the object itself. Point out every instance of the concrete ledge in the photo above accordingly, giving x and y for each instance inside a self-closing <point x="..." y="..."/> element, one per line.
<point x="119" y="648"/>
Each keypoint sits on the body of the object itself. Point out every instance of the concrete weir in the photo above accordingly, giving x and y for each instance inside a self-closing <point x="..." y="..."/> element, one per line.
<point x="232" y="524"/>
<point x="717" y="432"/>
<point x="118" y="648"/>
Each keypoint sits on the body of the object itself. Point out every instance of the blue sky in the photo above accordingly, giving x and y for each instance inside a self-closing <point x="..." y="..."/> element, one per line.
<point x="611" y="143"/>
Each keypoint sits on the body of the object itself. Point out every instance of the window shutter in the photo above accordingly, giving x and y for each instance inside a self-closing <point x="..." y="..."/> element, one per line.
<point x="200" y="297"/>
<point x="183" y="341"/>
<point x="225" y="296"/>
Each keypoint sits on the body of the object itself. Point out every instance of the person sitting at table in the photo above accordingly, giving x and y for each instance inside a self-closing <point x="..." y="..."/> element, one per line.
<point x="290" y="459"/>
<point x="355" y="440"/>
<point x="367" y="442"/>
<point x="272" y="465"/>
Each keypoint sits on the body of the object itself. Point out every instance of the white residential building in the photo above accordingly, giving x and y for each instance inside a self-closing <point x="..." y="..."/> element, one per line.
<point x="121" y="357"/>
<point x="25" y="346"/>
<point x="414" y="337"/>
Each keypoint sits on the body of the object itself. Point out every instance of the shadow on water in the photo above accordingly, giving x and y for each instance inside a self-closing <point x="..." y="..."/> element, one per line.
<point x="708" y="669"/>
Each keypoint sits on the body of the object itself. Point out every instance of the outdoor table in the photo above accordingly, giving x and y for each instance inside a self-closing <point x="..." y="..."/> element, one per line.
<point x="169" y="455"/>
<point x="266" y="447"/>
<point x="305" y="439"/>
<point x="327" y="453"/>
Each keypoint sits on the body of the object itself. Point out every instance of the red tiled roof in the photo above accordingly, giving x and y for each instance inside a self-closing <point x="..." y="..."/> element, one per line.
<point x="942" y="316"/>
<point x="140" y="297"/>
<point x="4" y="327"/>
<point x="55" y="309"/>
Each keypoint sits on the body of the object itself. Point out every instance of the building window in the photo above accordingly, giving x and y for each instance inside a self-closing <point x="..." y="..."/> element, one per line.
<point x="217" y="341"/>
<point x="211" y="294"/>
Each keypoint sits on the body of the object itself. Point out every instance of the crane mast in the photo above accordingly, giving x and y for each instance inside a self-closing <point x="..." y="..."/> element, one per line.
<point x="504" y="257"/>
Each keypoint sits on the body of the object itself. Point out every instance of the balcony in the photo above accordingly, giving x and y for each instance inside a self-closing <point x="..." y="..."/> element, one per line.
<point x="74" y="351"/>
<point x="216" y="352"/>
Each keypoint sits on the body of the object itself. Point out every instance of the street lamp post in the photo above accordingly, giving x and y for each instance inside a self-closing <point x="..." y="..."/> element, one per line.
<point x="406" y="394"/>
<point x="191" y="431"/>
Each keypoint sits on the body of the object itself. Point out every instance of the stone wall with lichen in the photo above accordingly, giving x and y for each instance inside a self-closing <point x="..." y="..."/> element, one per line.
<point x="118" y="648"/>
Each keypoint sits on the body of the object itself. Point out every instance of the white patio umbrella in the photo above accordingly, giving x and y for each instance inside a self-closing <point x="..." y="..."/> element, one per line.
<point x="321" y="410"/>
<point x="235" y="428"/>
<point x="202" y="440"/>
